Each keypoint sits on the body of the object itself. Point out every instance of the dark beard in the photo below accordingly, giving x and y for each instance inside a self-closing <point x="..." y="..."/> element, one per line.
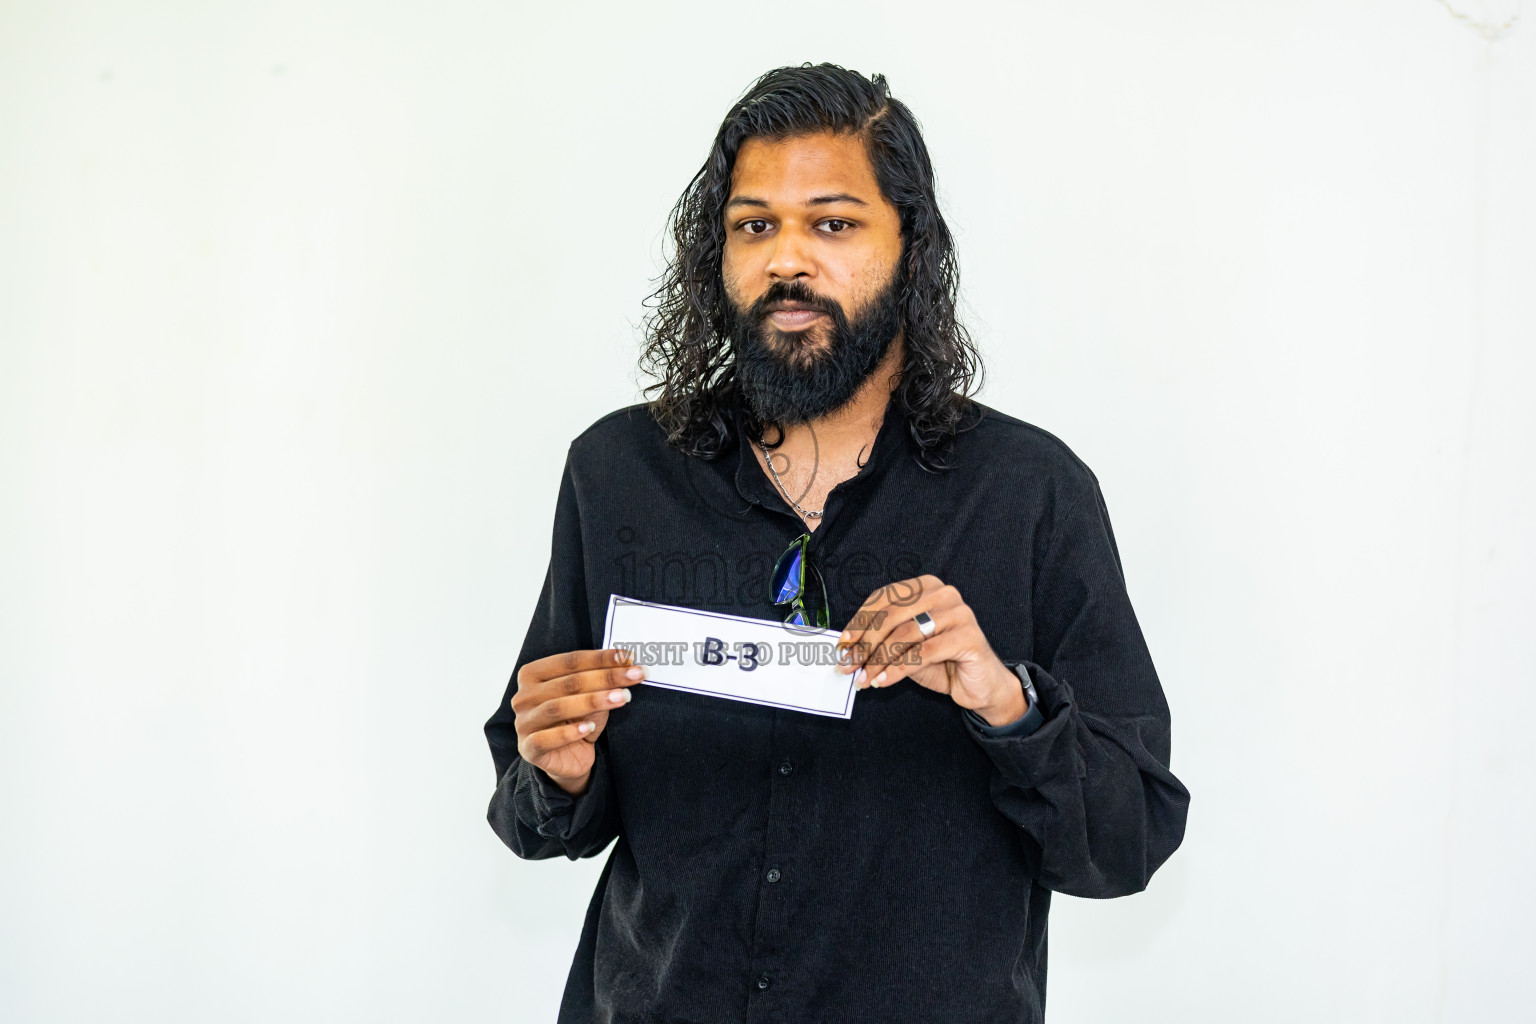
<point x="777" y="382"/>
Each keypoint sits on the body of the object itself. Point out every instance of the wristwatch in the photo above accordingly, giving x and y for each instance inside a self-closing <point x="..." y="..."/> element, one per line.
<point x="1033" y="718"/>
<point x="1022" y="671"/>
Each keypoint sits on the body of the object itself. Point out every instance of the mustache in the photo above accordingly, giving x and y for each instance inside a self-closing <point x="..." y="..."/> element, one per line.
<point x="797" y="293"/>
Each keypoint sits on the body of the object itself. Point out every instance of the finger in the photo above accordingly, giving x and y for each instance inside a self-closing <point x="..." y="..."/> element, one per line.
<point x="612" y="676"/>
<point x="570" y="662"/>
<point x="873" y="615"/>
<point x="890" y="653"/>
<point x="935" y="651"/>
<point x="595" y="679"/>
<point x="953" y="621"/>
<point x="563" y="709"/>
<point x="876" y="642"/>
<point x="903" y="635"/>
<point x="598" y="717"/>
<point x="538" y="745"/>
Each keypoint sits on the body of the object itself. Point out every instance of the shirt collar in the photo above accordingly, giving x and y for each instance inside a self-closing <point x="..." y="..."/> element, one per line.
<point x="753" y="483"/>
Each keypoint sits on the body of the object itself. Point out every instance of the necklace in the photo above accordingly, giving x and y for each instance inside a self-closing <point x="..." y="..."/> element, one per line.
<point x="768" y="458"/>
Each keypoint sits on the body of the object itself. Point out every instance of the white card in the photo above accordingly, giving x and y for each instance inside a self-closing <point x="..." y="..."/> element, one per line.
<point x="732" y="656"/>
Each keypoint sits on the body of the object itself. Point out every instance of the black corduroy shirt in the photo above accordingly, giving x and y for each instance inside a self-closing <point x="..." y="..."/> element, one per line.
<point x="896" y="866"/>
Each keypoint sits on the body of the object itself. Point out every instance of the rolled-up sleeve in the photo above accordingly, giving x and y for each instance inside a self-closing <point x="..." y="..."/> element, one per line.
<point x="1090" y="789"/>
<point x="533" y="816"/>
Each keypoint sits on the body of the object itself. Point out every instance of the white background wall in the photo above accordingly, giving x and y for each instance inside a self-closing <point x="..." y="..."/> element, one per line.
<point x="300" y="304"/>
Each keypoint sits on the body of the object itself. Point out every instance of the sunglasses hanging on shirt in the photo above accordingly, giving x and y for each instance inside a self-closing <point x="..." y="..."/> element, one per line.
<point x="808" y="605"/>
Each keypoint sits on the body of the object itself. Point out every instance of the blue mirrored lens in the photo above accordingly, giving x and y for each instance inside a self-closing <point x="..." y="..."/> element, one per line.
<point x="786" y="581"/>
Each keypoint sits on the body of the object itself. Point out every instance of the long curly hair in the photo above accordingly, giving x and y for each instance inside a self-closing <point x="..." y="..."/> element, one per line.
<point x="686" y="345"/>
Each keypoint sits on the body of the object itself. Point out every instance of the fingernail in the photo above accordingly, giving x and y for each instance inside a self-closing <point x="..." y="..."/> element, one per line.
<point x="878" y="679"/>
<point x="636" y="673"/>
<point x="858" y="678"/>
<point x="619" y="696"/>
<point x="586" y="726"/>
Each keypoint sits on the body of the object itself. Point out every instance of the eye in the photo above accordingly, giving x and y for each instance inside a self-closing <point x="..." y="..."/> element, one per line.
<point x="845" y="225"/>
<point x="744" y="225"/>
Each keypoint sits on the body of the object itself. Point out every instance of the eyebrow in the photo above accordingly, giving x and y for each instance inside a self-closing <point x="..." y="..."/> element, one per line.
<point x="836" y="197"/>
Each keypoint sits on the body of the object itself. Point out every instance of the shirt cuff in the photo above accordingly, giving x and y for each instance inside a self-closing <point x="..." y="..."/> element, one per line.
<point x="1033" y="719"/>
<point x="559" y="814"/>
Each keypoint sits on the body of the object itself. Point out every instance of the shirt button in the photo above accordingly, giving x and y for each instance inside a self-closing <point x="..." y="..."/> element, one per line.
<point x="773" y="874"/>
<point x="786" y="768"/>
<point x="762" y="981"/>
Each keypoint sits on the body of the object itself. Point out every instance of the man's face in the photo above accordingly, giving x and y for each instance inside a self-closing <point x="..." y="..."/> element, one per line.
<point x="810" y="273"/>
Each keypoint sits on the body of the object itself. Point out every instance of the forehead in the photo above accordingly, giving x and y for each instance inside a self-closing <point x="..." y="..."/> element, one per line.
<point x="792" y="170"/>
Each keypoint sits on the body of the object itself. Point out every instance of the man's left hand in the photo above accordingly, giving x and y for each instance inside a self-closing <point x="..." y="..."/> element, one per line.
<point x="955" y="659"/>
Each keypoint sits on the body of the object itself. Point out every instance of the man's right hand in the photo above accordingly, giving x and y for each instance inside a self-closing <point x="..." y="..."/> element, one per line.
<point x="561" y="706"/>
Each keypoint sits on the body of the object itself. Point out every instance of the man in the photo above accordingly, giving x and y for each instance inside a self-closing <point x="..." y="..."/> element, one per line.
<point x="1009" y="736"/>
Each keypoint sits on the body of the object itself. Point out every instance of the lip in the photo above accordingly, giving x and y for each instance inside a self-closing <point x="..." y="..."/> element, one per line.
<point x="794" y="319"/>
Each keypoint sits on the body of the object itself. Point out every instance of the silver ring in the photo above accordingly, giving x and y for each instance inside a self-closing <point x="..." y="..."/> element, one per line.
<point x="925" y="624"/>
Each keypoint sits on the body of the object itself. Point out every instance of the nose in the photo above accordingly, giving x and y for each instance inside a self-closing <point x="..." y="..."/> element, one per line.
<point x="790" y="255"/>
